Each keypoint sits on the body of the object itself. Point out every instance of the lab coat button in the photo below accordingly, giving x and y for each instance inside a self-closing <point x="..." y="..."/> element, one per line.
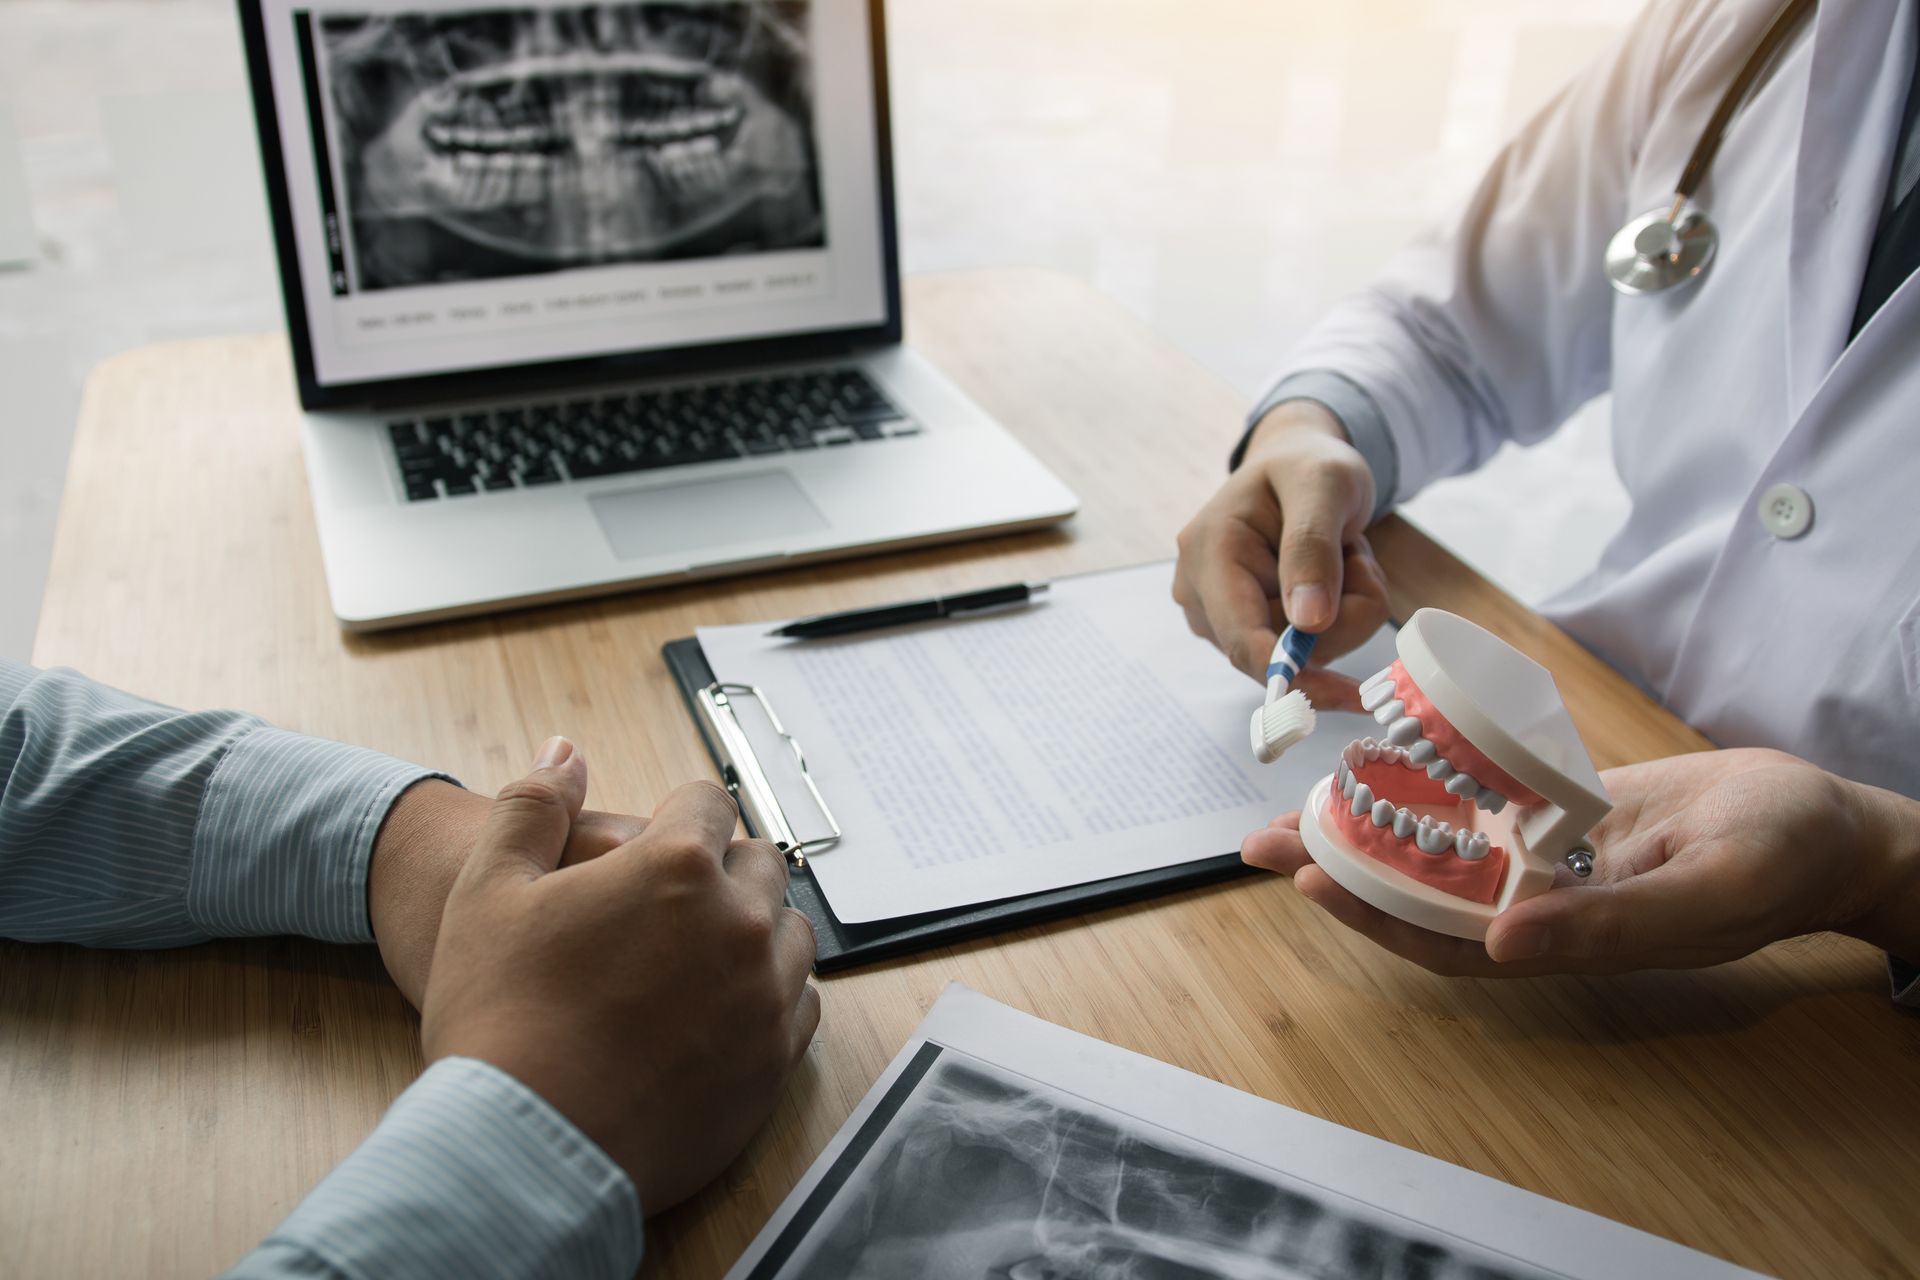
<point x="1786" y="511"/>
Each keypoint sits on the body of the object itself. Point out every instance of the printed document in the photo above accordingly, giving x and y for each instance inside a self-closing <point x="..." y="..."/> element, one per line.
<point x="1084" y="736"/>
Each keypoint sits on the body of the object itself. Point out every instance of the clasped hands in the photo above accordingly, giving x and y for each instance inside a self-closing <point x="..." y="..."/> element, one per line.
<point x="645" y="977"/>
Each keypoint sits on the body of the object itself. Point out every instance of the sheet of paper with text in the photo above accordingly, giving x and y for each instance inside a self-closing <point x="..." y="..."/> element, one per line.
<point x="1086" y="736"/>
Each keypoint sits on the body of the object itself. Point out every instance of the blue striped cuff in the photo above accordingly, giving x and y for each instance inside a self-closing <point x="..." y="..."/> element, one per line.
<point x="286" y="833"/>
<point x="471" y="1173"/>
<point x="1358" y="412"/>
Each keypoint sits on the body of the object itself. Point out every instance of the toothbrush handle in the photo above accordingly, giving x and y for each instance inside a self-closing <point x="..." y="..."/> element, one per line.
<point x="1289" y="660"/>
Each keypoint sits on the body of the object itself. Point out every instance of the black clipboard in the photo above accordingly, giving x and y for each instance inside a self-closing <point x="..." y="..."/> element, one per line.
<point x="843" y="946"/>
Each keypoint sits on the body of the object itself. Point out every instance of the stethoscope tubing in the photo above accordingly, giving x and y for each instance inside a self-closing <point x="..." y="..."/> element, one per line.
<point x="1785" y="23"/>
<point x="1687" y="247"/>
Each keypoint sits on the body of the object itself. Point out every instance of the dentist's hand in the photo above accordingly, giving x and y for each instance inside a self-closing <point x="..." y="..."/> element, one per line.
<point x="1704" y="859"/>
<point x="1282" y="541"/>
<point x="656" y="995"/>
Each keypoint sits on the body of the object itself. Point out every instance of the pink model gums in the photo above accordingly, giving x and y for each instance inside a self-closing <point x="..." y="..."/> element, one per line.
<point x="1388" y="808"/>
<point x="1448" y="742"/>
<point x="1474" y="795"/>
<point x="1411" y="800"/>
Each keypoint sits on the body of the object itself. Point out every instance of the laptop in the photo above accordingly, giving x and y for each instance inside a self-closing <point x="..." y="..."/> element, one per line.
<point x="588" y="297"/>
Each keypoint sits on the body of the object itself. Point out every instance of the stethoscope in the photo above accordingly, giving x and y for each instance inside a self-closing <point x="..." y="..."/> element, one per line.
<point x="1661" y="250"/>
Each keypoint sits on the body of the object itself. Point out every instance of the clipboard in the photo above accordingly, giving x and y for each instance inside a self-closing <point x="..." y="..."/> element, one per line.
<point x="843" y="946"/>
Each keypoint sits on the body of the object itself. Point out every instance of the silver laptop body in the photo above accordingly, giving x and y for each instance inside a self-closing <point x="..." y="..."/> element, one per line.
<point x="588" y="297"/>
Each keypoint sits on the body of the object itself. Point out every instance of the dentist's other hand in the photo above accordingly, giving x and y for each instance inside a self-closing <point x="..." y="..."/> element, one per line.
<point x="1704" y="859"/>
<point x="1283" y="541"/>
<point x="656" y="995"/>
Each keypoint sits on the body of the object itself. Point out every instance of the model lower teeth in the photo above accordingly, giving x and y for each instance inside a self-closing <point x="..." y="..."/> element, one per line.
<point x="1407" y="747"/>
<point x="1410" y="820"/>
<point x="1432" y="837"/>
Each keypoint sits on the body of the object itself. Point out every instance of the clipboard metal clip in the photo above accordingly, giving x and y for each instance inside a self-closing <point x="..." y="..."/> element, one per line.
<point x="747" y="781"/>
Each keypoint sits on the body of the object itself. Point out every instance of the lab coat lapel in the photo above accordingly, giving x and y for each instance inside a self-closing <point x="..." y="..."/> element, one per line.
<point x="1877" y="365"/>
<point x="1855" y="93"/>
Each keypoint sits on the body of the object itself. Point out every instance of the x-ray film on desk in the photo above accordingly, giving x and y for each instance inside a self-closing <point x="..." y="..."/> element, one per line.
<point x="984" y="758"/>
<point x="1001" y="1147"/>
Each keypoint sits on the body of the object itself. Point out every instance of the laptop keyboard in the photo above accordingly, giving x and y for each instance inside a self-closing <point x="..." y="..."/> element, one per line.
<point x="526" y="446"/>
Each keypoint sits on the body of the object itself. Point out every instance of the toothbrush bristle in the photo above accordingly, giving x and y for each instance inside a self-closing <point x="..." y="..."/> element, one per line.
<point x="1281" y="726"/>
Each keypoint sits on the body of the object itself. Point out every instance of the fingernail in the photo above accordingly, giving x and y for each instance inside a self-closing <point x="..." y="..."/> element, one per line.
<point x="1309" y="606"/>
<point x="1524" y="943"/>
<point x="555" y="753"/>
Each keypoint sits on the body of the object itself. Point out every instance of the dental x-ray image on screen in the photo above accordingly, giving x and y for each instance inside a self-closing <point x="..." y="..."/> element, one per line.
<point x="488" y="143"/>
<point x="969" y="1171"/>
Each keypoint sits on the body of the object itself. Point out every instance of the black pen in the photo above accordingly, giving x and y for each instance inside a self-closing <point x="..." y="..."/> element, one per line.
<point x="899" y="615"/>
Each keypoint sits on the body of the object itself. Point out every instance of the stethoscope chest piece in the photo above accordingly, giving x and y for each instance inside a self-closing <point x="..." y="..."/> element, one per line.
<point x="1652" y="254"/>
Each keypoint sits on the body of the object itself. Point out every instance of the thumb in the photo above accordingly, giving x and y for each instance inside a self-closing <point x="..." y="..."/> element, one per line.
<point x="1610" y="923"/>
<point x="1311" y="559"/>
<point x="526" y="830"/>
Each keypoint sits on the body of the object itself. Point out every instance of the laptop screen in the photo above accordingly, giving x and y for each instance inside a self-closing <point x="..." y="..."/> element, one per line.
<point x="476" y="187"/>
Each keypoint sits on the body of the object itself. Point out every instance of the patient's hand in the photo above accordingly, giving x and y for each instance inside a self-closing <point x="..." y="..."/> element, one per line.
<point x="656" y="995"/>
<point x="421" y="847"/>
<point x="1704" y="859"/>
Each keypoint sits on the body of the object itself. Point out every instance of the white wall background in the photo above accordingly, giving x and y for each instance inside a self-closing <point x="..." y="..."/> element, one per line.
<point x="1224" y="168"/>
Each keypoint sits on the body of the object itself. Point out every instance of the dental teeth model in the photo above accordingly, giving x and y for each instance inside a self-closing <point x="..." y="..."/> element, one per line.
<point x="1476" y="791"/>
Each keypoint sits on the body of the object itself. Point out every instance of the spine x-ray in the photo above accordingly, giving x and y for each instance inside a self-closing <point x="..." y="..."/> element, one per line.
<point x="488" y="143"/>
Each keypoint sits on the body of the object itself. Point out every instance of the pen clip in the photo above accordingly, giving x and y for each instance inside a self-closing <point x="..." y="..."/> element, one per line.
<point x="747" y="781"/>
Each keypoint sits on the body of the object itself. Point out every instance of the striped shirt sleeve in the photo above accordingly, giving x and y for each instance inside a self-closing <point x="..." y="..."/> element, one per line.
<point x="470" y="1174"/>
<point x="124" y="823"/>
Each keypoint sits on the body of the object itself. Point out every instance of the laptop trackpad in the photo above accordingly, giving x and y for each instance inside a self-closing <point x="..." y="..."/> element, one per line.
<point x="704" y="515"/>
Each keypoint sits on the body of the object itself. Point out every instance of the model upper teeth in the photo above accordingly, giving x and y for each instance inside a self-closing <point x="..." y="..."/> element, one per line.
<point x="1407" y="746"/>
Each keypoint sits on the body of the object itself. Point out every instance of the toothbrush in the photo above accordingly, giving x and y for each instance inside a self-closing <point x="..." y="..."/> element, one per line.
<point x="1286" y="719"/>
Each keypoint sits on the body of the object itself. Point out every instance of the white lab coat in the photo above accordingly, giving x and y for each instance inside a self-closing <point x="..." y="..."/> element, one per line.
<point x="1502" y="325"/>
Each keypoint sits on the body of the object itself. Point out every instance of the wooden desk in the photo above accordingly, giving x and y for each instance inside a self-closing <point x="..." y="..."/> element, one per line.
<point x="163" y="1111"/>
